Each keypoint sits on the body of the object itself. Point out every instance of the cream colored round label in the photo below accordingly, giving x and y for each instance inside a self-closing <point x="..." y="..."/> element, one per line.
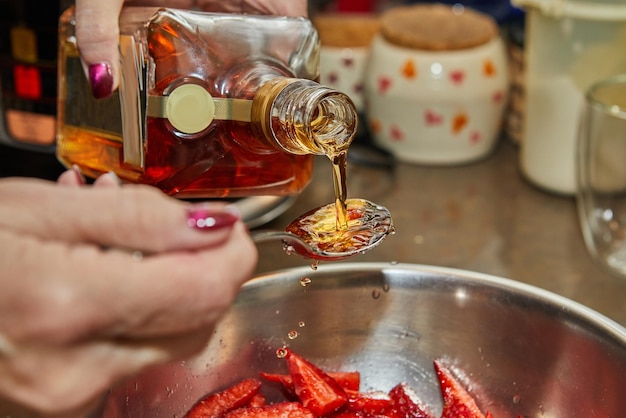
<point x="190" y="108"/>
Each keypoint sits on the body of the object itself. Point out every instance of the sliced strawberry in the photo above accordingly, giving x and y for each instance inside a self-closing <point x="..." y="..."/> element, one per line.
<point x="348" y="414"/>
<point x="257" y="400"/>
<point x="276" y="410"/>
<point x="217" y="404"/>
<point x="347" y="380"/>
<point x="457" y="402"/>
<point x="282" y="379"/>
<point x="368" y="405"/>
<point x="315" y="388"/>
<point x="405" y="404"/>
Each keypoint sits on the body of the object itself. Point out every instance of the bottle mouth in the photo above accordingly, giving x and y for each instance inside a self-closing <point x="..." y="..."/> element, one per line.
<point x="333" y="122"/>
<point x="302" y="117"/>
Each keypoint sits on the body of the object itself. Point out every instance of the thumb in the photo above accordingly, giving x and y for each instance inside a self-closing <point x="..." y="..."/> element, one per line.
<point x="97" y="36"/>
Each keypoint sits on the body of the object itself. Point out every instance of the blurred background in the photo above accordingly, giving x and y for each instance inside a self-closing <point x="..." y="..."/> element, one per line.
<point x="28" y="72"/>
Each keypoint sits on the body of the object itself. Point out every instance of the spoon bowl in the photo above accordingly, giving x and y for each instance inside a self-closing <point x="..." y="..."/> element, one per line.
<point x="294" y="244"/>
<point x="314" y="235"/>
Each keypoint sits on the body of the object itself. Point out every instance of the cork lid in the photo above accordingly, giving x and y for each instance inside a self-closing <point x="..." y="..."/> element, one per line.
<point x="437" y="27"/>
<point x="346" y="30"/>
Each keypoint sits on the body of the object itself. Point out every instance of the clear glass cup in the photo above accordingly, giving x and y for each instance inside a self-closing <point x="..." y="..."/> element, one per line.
<point x="601" y="173"/>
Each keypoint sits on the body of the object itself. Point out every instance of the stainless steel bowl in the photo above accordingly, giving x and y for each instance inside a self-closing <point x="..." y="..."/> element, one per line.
<point x="526" y="351"/>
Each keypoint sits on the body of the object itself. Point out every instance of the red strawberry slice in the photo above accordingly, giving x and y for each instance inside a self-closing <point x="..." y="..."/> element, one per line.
<point x="347" y="380"/>
<point x="317" y="391"/>
<point x="256" y="400"/>
<point x="367" y="405"/>
<point x="217" y="404"/>
<point x="276" y="410"/>
<point x="404" y="403"/>
<point x="457" y="402"/>
<point x="348" y="414"/>
<point x="284" y="380"/>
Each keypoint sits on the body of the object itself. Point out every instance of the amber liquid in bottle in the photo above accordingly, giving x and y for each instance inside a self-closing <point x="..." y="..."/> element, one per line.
<point x="214" y="168"/>
<point x="228" y="159"/>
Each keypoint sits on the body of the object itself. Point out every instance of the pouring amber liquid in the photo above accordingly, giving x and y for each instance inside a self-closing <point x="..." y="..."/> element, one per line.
<point x="347" y="227"/>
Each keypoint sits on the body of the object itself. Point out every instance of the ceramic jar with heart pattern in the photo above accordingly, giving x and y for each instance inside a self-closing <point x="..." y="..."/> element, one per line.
<point x="345" y="46"/>
<point x="436" y="84"/>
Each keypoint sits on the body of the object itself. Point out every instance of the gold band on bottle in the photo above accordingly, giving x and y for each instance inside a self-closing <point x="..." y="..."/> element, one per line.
<point x="263" y="101"/>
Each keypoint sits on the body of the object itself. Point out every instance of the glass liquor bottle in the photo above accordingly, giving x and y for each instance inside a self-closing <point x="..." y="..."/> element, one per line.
<point x="209" y="105"/>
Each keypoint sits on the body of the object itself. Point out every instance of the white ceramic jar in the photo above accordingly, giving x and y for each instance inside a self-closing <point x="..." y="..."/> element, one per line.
<point x="344" y="53"/>
<point x="436" y="85"/>
<point x="342" y="68"/>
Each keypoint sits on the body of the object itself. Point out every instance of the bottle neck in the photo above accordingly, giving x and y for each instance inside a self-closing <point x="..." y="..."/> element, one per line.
<point x="296" y="115"/>
<point x="303" y="117"/>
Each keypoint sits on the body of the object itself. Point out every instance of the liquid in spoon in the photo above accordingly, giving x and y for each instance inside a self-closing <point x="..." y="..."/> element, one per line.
<point x="367" y="224"/>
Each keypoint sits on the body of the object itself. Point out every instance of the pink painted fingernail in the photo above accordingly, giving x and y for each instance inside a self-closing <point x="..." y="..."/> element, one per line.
<point x="101" y="80"/>
<point x="205" y="218"/>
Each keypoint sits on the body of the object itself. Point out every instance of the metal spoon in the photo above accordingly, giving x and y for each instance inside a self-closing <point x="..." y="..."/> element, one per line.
<point x="365" y="230"/>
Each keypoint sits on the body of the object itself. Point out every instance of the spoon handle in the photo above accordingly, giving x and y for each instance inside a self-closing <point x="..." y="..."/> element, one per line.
<point x="272" y="235"/>
<point x="295" y="243"/>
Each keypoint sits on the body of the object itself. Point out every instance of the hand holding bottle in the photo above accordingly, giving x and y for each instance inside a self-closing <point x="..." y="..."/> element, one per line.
<point x="100" y="282"/>
<point x="97" y="30"/>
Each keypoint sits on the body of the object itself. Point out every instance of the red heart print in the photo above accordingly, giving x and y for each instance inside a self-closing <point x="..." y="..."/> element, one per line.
<point x="397" y="134"/>
<point x="497" y="97"/>
<point x="348" y="62"/>
<point x="332" y="78"/>
<point x="457" y="76"/>
<point x="384" y="83"/>
<point x="433" y="118"/>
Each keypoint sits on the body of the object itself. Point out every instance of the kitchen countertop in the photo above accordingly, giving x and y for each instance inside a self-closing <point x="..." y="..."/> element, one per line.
<point x="481" y="217"/>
